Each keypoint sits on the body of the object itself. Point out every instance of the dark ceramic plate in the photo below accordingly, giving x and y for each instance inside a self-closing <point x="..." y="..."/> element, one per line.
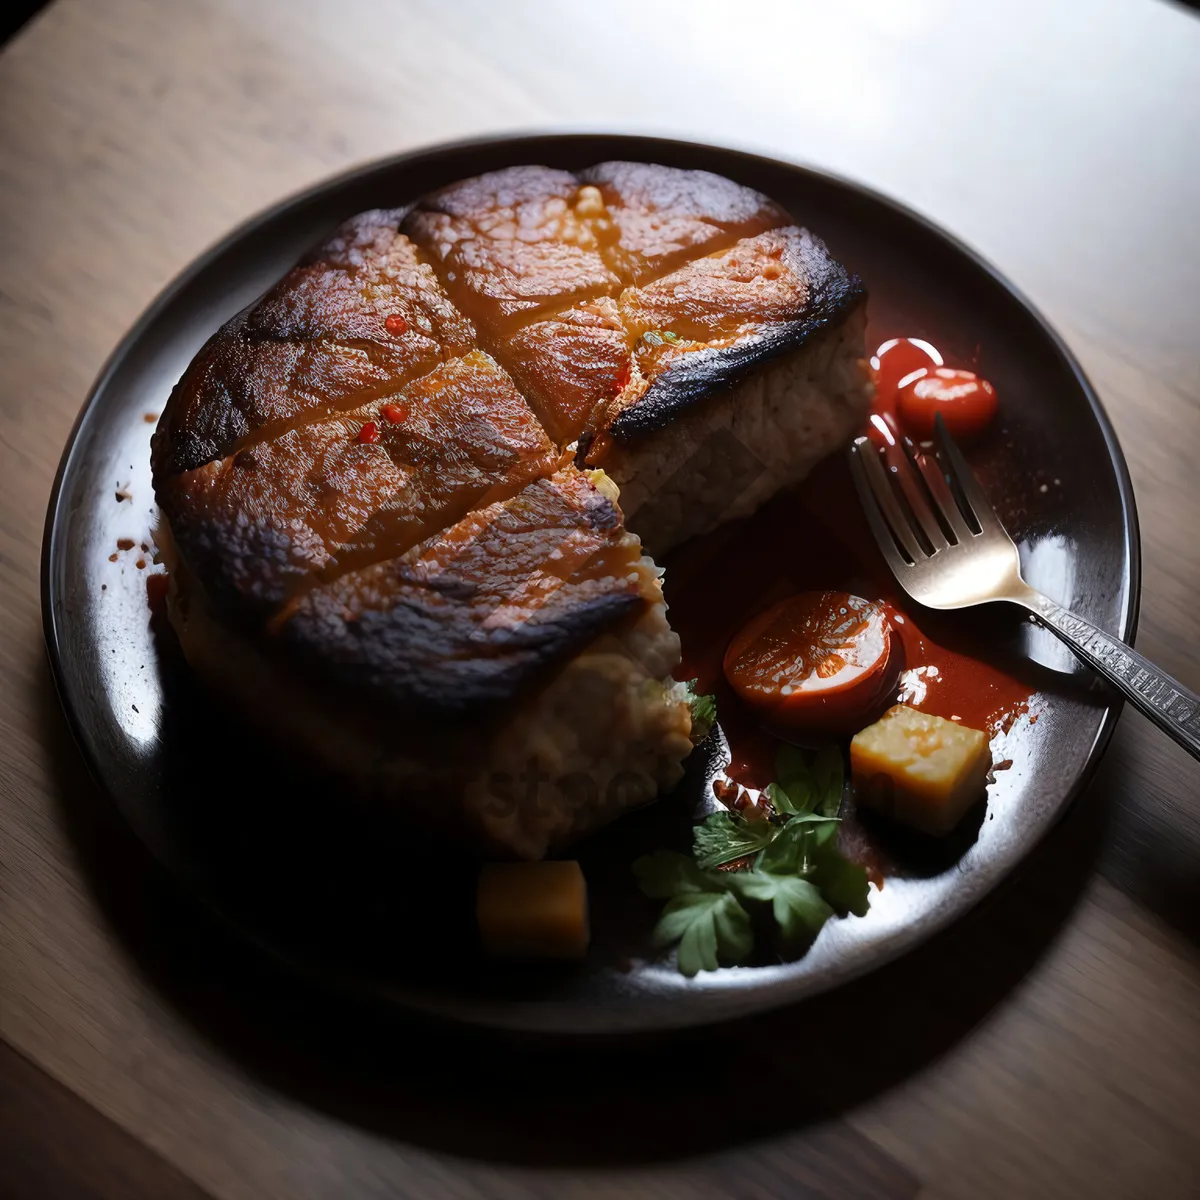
<point x="339" y="894"/>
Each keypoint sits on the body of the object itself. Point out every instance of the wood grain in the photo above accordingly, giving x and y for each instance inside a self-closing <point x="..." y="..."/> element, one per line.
<point x="53" y="1144"/>
<point x="1048" y="1046"/>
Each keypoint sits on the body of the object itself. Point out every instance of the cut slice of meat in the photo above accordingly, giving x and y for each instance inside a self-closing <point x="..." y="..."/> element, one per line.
<point x="569" y="363"/>
<point x="357" y="487"/>
<point x="360" y="317"/>
<point x="749" y="368"/>
<point x="464" y="437"/>
<point x="510" y="244"/>
<point x="759" y="280"/>
<point x="716" y="319"/>
<point x="665" y="217"/>
<point x="477" y="613"/>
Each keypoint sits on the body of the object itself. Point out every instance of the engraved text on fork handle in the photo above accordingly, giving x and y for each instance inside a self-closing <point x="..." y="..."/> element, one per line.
<point x="1171" y="706"/>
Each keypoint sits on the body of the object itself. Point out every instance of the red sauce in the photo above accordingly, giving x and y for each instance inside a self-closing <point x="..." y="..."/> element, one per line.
<point x="812" y="538"/>
<point x="156" y="591"/>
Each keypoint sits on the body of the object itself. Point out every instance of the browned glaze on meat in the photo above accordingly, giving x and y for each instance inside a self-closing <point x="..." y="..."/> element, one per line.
<point x="543" y="266"/>
<point x="728" y="312"/>
<point x="474" y="613"/>
<point x="511" y="244"/>
<point x="320" y="457"/>
<point x="665" y="218"/>
<point x="570" y="362"/>
<point x="318" y="500"/>
<point x="316" y="342"/>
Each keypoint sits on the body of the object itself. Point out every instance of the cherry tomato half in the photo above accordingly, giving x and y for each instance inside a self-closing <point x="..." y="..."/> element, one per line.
<point x="966" y="402"/>
<point x="818" y="660"/>
<point x="898" y="357"/>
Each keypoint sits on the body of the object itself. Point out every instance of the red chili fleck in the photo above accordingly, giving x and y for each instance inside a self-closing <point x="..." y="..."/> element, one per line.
<point x="368" y="434"/>
<point x="395" y="413"/>
<point x="395" y="324"/>
<point x="625" y="375"/>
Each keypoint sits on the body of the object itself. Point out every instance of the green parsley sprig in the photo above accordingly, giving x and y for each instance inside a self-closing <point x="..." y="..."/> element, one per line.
<point x="784" y="868"/>
<point x="704" y="710"/>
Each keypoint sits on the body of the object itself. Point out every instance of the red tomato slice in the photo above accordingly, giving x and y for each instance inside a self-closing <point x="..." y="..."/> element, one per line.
<point x="818" y="660"/>
<point x="966" y="402"/>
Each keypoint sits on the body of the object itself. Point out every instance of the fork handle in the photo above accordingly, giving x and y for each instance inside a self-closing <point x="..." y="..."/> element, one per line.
<point x="1171" y="706"/>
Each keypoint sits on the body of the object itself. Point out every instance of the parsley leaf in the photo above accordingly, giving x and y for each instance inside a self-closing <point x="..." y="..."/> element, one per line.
<point x="724" y="837"/>
<point x="797" y="870"/>
<point x="842" y="882"/>
<point x="793" y="850"/>
<point x="704" y="711"/>
<point x="828" y="775"/>
<point x="795" y="779"/>
<point x="664" y="874"/>
<point x="811" y="786"/>
<point x="711" y="928"/>
<point x="796" y="904"/>
<point x="780" y="801"/>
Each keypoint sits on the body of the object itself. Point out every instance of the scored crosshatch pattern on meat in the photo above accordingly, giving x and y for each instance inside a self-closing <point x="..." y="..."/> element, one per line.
<point x="306" y="444"/>
<point x="407" y="499"/>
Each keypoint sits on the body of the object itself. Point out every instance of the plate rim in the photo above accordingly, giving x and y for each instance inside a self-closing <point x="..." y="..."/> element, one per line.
<point x="531" y="1015"/>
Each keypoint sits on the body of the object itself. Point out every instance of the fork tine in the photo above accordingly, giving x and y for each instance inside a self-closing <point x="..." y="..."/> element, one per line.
<point x="959" y="473"/>
<point x="944" y="503"/>
<point x="888" y="523"/>
<point x="903" y="468"/>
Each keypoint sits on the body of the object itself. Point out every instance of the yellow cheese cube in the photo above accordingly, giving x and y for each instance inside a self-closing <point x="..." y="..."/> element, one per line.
<point x="919" y="769"/>
<point x="533" y="910"/>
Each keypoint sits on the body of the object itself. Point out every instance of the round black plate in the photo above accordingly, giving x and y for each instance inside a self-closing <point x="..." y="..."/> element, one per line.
<point x="313" y="879"/>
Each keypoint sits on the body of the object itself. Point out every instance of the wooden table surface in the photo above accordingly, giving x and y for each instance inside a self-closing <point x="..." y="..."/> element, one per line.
<point x="1047" y="1047"/>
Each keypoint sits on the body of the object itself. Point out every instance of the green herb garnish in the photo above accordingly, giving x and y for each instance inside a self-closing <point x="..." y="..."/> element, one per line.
<point x="797" y="880"/>
<point x="724" y="838"/>
<point x="704" y="711"/>
<point x="656" y="337"/>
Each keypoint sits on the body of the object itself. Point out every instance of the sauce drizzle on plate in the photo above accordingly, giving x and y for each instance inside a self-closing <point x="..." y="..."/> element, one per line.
<point x="816" y="538"/>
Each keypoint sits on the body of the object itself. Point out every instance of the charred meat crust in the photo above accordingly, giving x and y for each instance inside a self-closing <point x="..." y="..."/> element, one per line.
<point x="471" y="267"/>
<point x="833" y="294"/>
<point x="316" y="339"/>
<point x="192" y="434"/>
<point x="405" y="658"/>
<point x="284" y="514"/>
<point x="474" y="617"/>
<point x="666" y="216"/>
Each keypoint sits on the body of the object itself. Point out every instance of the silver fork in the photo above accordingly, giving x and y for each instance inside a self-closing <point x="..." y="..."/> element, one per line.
<point x="947" y="549"/>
